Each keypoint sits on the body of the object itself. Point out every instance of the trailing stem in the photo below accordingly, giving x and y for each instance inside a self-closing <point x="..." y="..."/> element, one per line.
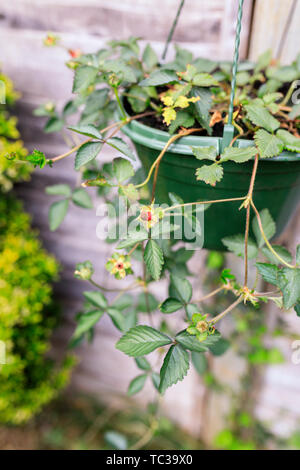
<point x="248" y="208"/>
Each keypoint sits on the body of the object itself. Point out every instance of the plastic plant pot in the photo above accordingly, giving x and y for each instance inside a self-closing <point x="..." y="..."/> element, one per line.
<point x="277" y="185"/>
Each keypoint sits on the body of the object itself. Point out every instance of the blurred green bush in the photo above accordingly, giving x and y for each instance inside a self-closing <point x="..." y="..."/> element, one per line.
<point x="28" y="379"/>
<point x="12" y="151"/>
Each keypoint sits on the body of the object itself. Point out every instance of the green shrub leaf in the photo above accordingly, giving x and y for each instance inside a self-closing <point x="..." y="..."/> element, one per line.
<point x="210" y="174"/>
<point x="137" y="384"/>
<point x="238" y="155"/>
<point x="87" y="153"/>
<point x="170" y="306"/>
<point x="82" y="199"/>
<point x="96" y="298"/>
<point x="84" y="77"/>
<point x="290" y="142"/>
<point x="260" y="116"/>
<point x="175" y="367"/>
<point x="154" y="259"/>
<point x="236" y="244"/>
<point x="161" y="77"/>
<point x="121" y="146"/>
<point x="268" y="225"/>
<point x="281" y="251"/>
<point x="205" y="153"/>
<point x="89" y="130"/>
<point x="142" y="340"/>
<point x="182" y="288"/>
<point x="57" y="213"/>
<point x="59" y="190"/>
<point x="190" y="342"/>
<point x="86" y="322"/>
<point x="268" y="145"/>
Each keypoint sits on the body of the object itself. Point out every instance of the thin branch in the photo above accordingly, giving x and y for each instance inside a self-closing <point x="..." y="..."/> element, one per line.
<point x="228" y="310"/>
<point x="233" y="199"/>
<point x="249" y="198"/>
<point x="267" y="241"/>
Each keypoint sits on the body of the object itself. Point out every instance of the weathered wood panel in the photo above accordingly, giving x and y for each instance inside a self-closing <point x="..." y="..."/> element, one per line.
<point x="270" y="20"/>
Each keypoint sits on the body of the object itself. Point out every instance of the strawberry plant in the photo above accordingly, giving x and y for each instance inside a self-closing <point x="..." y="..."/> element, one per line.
<point x="176" y="112"/>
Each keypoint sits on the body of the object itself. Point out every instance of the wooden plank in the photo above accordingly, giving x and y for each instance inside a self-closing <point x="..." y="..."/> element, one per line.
<point x="270" y="18"/>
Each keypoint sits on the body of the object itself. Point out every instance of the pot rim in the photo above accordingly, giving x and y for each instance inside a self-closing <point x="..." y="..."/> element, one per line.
<point x="157" y="139"/>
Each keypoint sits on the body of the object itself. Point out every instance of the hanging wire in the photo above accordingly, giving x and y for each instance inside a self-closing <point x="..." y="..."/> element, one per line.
<point x="286" y="29"/>
<point x="171" y="33"/>
<point x="235" y="59"/>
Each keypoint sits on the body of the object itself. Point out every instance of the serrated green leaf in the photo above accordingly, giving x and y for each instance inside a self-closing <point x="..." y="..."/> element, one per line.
<point x="263" y="60"/>
<point x="86" y="322"/>
<point x="83" y="78"/>
<point x="297" y="309"/>
<point x="146" y="302"/>
<point x="175" y="367"/>
<point x="117" y="318"/>
<point x="281" y="251"/>
<point x="210" y="174"/>
<point x="268" y="225"/>
<point x="143" y="363"/>
<point x="54" y="125"/>
<point x="137" y="384"/>
<point x="236" y="244"/>
<point x="204" y="79"/>
<point x="154" y="259"/>
<point x="87" y="153"/>
<point x="268" y="145"/>
<point x="269" y="272"/>
<point x="130" y="192"/>
<point x="149" y="57"/>
<point x="138" y="99"/>
<point x="183" y="119"/>
<point x="133" y="239"/>
<point x="170" y="305"/>
<point x="58" y="190"/>
<point x="57" y="213"/>
<point x="205" y="153"/>
<point x="190" y="342"/>
<point x="160" y="77"/>
<point x="142" y="340"/>
<point x="290" y="142"/>
<point x="238" y="155"/>
<point x="121" y="146"/>
<point x="82" y="199"/>
<point x="96" y="298"/>
<point x="220" y="347"/>
<point x="122" y="169"/>
<point x="203" y="106"/>
<point x="199" y="361"/>
<point x="89" y="130"/>
<point x="95" y="102"/>
<point x="261" y="117"/>
<point x="183" y="289"/>
<point x="289" y="284"/>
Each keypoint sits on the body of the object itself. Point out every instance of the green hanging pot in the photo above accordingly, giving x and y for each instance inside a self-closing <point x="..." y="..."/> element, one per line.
<point x="277" y="185"/>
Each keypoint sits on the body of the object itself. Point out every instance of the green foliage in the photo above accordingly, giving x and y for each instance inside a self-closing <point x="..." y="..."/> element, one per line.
<point x="123" y="83"/>
<point x="28" y="380"/>
<point x="13" y="165"/>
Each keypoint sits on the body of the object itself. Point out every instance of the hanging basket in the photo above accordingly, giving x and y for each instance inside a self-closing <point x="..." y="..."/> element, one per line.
<point x="277" y="185"/>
